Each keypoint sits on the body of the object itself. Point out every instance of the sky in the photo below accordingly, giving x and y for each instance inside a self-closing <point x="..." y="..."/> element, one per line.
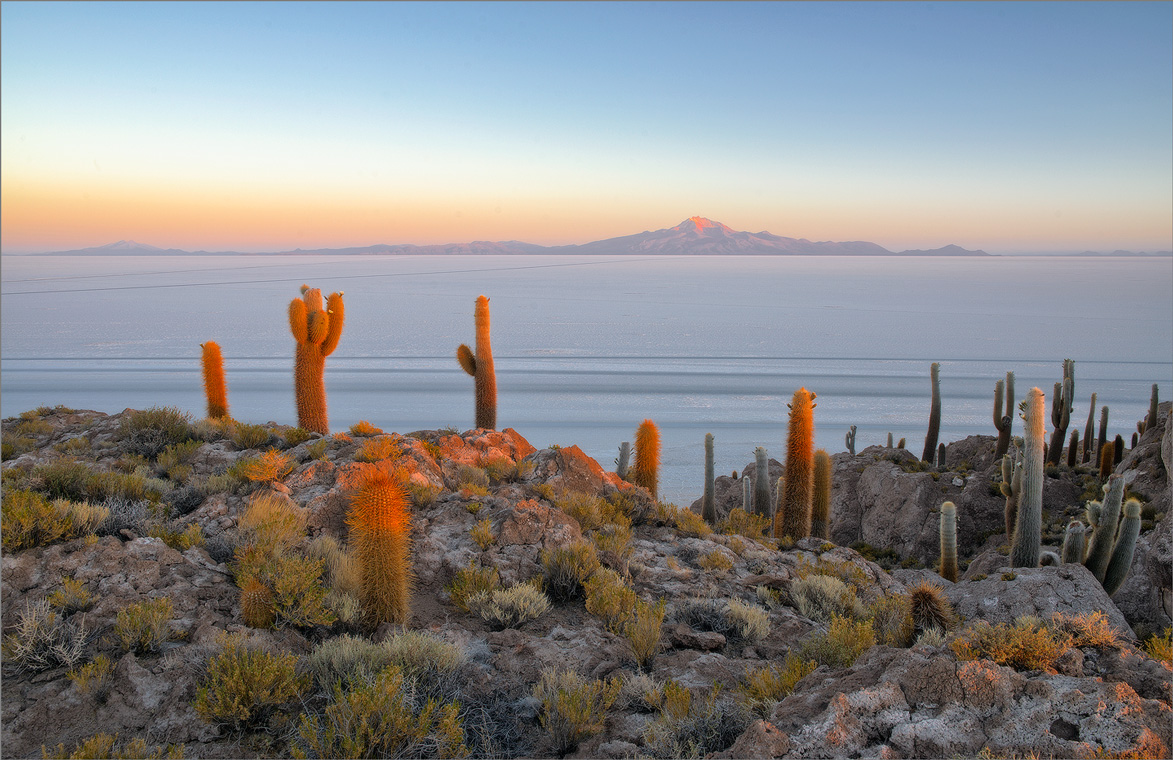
<point x="1010" y="127"/>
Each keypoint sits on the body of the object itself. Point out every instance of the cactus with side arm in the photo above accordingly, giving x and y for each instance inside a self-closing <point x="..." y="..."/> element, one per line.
<point x="1003" y="423"/>
<point x="316" y="331"/>
<point x="849" y="439"/>
<point x="1061" y="412"/>
<point x="480" y="366"/>
<point x="1103" y="539"/>
<point x="1121" y="559"/>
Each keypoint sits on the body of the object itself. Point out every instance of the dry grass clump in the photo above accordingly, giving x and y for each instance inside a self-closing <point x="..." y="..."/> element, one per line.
<point x="689" y="727"/>
<point x="742" y="523"/>
<point x="509" y="608"/>
<point x="245" y="436"/>
<point x="72" y="596"/>
<point x="1089" y="629"/>
<point x="573" y="708"/>
<point x="1159" y="646"/>
<point x="613" y="543"/>
<point x="689" y="523"/>
<point x="748" y="622"/>
<point x="567" y="568"/>
<point x="844" y="641"/>
<point x="821" y="597"/>
<point x="763" y="688"/>
<point x="107" y="746"/>
<point x="590" y="512"/>
<point x="264" y="468"/>
<point x="377" y="449"/>
<point x="150" y="431"/>
<point x="470" y="581"/>
<point x="482" y="533"/>
<point x="891" y="618"/>
<point x="715" y="561"/>
<point x="364" y="429"/>
<point x="1027" y="644"/>
<point x="270" y="521"/>
<point x="142" y="627"/>
<point x="93" y="677"/>
<point x="642" y="631"/>
<point x="28" y="519"/>
<point x="43" y="639"/>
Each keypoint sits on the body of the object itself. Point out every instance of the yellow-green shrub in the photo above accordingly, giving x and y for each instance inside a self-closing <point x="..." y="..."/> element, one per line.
<point x="244" y="685"/>
<point x="763" y="688"/>
<point x="246" y="436"/>
<point x="819" y="597"/>
<point x="72" y="596"/>
<point x="715" y="560"/>
<point x="566" y="568"/>
<point x="610" y="599"/>
<point x="378" y="448"/>
<point x="573" y="708"/>
<point x="263" y="468"/>
<point x="363" y="429"/>
<point x="482" y="533"/>
<point x="749" y="622"/>
<point x="892" y="622"/>
<point x="93" y="677"/>
<point x="1028" y="644"/>
<point x="690" y="523"/>
<point x="142" y="627"/>
<point x="470" y="581"/>
<point x="509" y="608"/>
<point x="739" y="522"/>
<point x="28" y="519"/>
<point x="1089" y="629"/>
<point x="839" y="647"/>
<point x="271" y="522"/>
<point x="591" y="512"/>
<point x="642" y="631"/>
<point x="106" y="747"/>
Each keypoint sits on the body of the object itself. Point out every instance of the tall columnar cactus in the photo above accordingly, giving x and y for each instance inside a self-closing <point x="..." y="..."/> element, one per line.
<point x="1061" y="412"/>
<point x="1103" y="539"/>
<point x="380" y="531"/>
<point x="214" y="386"/>
<point x="1117" y="449"/>
<point x="849" y="439"/>
<point x="1011" y="488"/>
<point x="623" y="460"/>
<point x="1003" y="423"/>
<point x="889" y="440"/>
<point x="1089" y="431"/>
<point x="793" y="516"/>
<point x="1102" y="437"/>
<point x="821" y="498"/>
<point x="480" y="366"/>
<point x="1121" y="560"/>
<point x="747" y="495"/>
<point x="316" y="331"/>
<point x="948" y="530"/>
<point x="1028" y="525"/>
<point x="646" y="471"/>
<point x="709" y="500"/>
<point x="934" y="415"/>
<point x="1107" y="459"/>
<point x="1073" y="449"/>
<point x="1150" y="419"/>
<point x="1074" y="542"/>
<point x="940" y="456"/>
<point x="1167" y="445"/>
<point x="761" y="483"/>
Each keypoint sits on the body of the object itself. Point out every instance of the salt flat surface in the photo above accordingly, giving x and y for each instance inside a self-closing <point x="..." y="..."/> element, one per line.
<point x="588" y="346"/>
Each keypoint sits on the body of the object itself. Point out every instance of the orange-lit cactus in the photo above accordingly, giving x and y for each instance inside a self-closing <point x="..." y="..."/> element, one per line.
<point x="480" y="367"/>
<point x="214" y="386"/>
<point x="793" y="516"/>
<point x="646" y="471"/>
<point x="316" y="331"/>
<point x="380" y="531"/>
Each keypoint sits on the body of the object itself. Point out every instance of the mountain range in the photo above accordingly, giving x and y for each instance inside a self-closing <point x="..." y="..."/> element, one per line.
<point x="696" y="236"/>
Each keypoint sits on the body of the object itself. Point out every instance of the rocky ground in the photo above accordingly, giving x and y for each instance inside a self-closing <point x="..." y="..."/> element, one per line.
<point x="482" y="499"/>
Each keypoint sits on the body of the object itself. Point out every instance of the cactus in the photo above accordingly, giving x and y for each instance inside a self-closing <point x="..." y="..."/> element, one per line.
<point x="793" y="516"/>
<point x="214" y="386"/>
<point x="1074" y="542"/>
<point x="1049" y="559"/>
<point x="1150" y="419"/>
<point x="761" y="483"/>
<point x="1104" y="536"/>
<point x="380" y="530"/>
<point x="1003" y="422"/>
<point x="1088" y="431"/>
<point x="747" y="496"/>
<point x="849" y="439"/>
<point x="621" y="462"/>
<point x="316" y="331"/>
<point x="646" y="471"/>
<point x="1092" y="512"/>
<point x="1121" y="559"/>
<point x="1061" y="411"/>
<point x="934" y="415"/>
<point x="709" y="500"/>
<point x="948" y="529"/>
<point x="821" y="498"/>
<point x="1102" y="438"/>
<point x="889" y="440"/>
<point x="1107" y="455"/>
<point x="930" y="608"/>
<point x="1135" y="440"/>
<point x="1073" y="449"/>
<point x="1011" y="488"/>
<point x="1167" y="445"/>
<point x="256" y="604"/>
<point x="1028" y="525"/>
<point x="900" y="443"/>
<point x="940" y="456"/>
<point x="1118" y="450"/>
<point x="480" y="367"/>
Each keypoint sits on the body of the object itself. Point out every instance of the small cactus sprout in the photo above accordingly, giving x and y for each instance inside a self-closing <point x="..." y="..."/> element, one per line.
<point x="623" y="460"/>
<point x="316" y="331"/>
<point x="214" y="387"/>
<point x="1092" y="513"/>
<point x="1107" y="459"/>
<point x="940" y="456"/>
<point x="1074" y="542"/>
<point x="948" y="531"/>
<point x="1102" y="436"/>
<point x="747" y="495"/>
<point x="1118" y="450"/>
<point x="1049" y="559"/>
<point x="480" y="366"/>
<point x="1003" y="422"/>
<point x="1061" y="411"/>
<point x="709" y="500"/>
<point x="1028" y="525"/>
<point x="1150" y="419"/>
<point x="256" y="604"/>
<point x="1073" y="449"/>
<point x="1121" y="559"/>
<point x="380" y="529"/>
<point x="1088" y="431"/>
<point x="849" y="439"/>
<point x="1103" y="539"/>
<point x="1011" y="488"/>
<point x="646" y="472"/>
<point x="821" y="499"/>
<point x="934" y="414"/>
<point x="761" y="484"/>
<point x="793" y="517"/>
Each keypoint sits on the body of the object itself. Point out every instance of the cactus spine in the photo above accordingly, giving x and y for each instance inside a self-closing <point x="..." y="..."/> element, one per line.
<point x="1074" y="542"/>
<point x="1028" y="525"/>
<point x="1121" y="560"/>
<point x="793" y="516"/>
<point x="380" y="530"/>
<point x="1061" y="411"/>
<point x="1011" y="488"/>
<point x="214" y="387"/>
<point x="1104" y="536"/>
<point x="1073" y="449"/>
<point x="646" y="471"/>
<point x="1088" y="431"/>
<point x="821" y="498"/>
<point x="316" y="331"/>
<point x="761" y="483"/>
<point x="934" y="415"/>
<point x="480" y="367"/>
<point x="948" y="530"/>
<point x="624" y="459"/>
<point x="849" y="439"/>
<point x="709" y="500"/>
<point x="1003" y="422"/>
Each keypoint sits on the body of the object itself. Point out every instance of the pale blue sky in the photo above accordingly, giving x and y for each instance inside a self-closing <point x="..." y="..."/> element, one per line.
<point x="1004" y="126"/>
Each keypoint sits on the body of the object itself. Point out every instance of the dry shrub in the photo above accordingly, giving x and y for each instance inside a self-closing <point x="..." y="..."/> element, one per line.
<point x="891" y="618"/>
<point x="377" y="449"/>
<point x="28" y="519"/>
<point x="821" y="597"/>
<point x="1028" y="644"/>
<point x="567" y="568"/>
<point x="573" y="708"/>
<point x="264" y="468"/>
<point x="642" y="631"/>
<point x="482" y="533"/>
<point x="364" y="429"/>
<point x="839" y="647"/>
<point x="715" y="561"/>
<point x="43" y="639"/>
<point x="610" y="599"/>
<point x="272" y="522"/>
<point x="470" y="581"/>
<point x="509" y="608"/>
<point x="108" y="747"/>
<point x="764" y="688"/>
<point x="1159" y="646"/>
<point x="244" y="685"/>
<point x="142" y="627"/>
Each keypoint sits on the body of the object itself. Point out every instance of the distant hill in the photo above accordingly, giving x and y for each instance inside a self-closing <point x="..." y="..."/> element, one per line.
<point x="695" y="236"/>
